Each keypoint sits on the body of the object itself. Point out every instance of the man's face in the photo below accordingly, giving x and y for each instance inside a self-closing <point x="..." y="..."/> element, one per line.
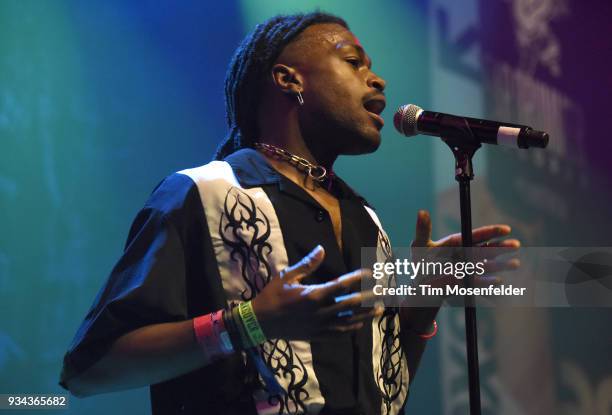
<point x="342" y="96"/>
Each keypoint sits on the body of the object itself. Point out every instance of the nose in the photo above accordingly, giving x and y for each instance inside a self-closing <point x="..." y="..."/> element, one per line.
<point x="375" y="81"/>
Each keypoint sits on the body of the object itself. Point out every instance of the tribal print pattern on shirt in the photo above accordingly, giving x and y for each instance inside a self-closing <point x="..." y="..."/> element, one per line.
<point x="249" y="248"/>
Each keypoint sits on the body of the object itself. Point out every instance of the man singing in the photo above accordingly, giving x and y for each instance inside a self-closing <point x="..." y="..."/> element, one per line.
<point x="239" y="288"/>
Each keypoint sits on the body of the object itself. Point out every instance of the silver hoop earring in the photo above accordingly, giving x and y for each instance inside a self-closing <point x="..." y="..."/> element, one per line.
<point x="300" y="98"/>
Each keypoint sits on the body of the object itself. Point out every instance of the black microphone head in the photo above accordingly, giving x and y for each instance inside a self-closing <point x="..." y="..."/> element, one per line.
<point x="405" y="119"/>
<point x="535" y="138"/>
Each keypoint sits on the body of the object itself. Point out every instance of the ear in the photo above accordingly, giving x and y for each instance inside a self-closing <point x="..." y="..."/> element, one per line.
<point x="287" y="79"/>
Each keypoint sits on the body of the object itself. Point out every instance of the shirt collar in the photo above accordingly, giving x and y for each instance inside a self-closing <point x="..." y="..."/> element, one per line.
<point x="252" y="169"/>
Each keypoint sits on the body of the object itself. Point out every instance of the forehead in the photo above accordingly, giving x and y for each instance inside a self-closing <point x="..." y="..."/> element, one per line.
<point x="327" y="36"/>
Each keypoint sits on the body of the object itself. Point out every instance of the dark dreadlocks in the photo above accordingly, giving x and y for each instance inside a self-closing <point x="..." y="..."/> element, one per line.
<point x="248" y="70"/>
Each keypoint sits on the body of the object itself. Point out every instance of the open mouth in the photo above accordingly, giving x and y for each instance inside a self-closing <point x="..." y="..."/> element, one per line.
<point x="375" y="106"/>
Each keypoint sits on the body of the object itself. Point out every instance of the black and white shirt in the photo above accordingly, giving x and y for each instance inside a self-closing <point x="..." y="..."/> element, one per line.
<point x="213" y="236"/>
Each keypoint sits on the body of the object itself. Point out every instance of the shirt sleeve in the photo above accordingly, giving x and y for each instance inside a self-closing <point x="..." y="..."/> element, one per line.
<point x="146" y="286"/>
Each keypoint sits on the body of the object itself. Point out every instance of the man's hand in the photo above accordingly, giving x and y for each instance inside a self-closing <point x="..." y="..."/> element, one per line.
<point x="419" y="312"/>
<point x="485" y="237"/>
<point x="480" y="236"/>
<point x="288" y="309"/>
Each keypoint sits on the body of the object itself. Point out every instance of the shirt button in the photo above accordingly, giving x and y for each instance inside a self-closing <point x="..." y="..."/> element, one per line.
<point x="320" y="216"/>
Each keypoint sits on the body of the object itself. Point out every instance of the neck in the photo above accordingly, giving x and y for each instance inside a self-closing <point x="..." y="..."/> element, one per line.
<point x="298" y="169"/>
<point x="279" y="125"/>
<point x="293" y="142"/>
<point x="292" y="173"/>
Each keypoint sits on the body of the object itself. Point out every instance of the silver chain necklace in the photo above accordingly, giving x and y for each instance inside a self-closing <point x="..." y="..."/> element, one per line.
<point x="316" y="172"/>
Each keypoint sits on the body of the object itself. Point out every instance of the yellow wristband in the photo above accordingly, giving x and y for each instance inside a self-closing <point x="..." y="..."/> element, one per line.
<point x="244" y="337"/>
<point x="251" y="325"/>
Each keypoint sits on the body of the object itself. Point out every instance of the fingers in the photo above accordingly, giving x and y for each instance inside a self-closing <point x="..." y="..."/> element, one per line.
<point x="511" y="244"/>
<point x="344" y="284"/>
<point x="494" y="249"/>
<point x="479" y="235"/>
<point x="506" y="243"/>
<point x="305" y="267"/>
<point x="350" y="321"/>
<point x="485" y="233"/>
<point x="423" y="229"/>
<point x="338" y="304"/>
<point x="350" y="310"/>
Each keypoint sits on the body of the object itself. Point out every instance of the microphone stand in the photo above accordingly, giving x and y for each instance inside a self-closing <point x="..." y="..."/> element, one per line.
<point x="464" y="146"/>
<point x="457" y="133"/>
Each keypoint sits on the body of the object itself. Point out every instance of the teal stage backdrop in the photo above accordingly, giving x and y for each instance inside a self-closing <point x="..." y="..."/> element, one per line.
<point x="100" y="100"/>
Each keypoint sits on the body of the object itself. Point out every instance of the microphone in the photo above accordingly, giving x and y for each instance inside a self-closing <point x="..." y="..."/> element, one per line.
<point x="411" y="120"/>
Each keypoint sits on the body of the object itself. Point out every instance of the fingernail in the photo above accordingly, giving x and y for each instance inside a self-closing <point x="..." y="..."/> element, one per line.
<point x="344" y="297"/>
<point x="316" y="250"/>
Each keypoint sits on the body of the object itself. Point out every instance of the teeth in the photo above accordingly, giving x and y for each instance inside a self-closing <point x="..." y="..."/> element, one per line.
<point x="375" y="106"/>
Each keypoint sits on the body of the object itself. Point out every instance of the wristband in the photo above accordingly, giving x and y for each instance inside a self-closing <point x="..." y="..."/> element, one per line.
<point x="237" y="330"/>
<point x="221" y="332"/>
<point x="232" y="330"/>
<point x="433" y="332"/>
<point x="245" y="340"/>
<point x="211" y="335"/>
<point x="251" y="325"/>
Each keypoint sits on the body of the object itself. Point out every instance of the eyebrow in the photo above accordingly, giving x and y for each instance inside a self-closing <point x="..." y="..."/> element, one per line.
<point x="359" y="50"/>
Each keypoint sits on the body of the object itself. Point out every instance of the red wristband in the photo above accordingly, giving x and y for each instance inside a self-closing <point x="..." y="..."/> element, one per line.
<point x="211" y="334"/>
<point x="430" y="335"/>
